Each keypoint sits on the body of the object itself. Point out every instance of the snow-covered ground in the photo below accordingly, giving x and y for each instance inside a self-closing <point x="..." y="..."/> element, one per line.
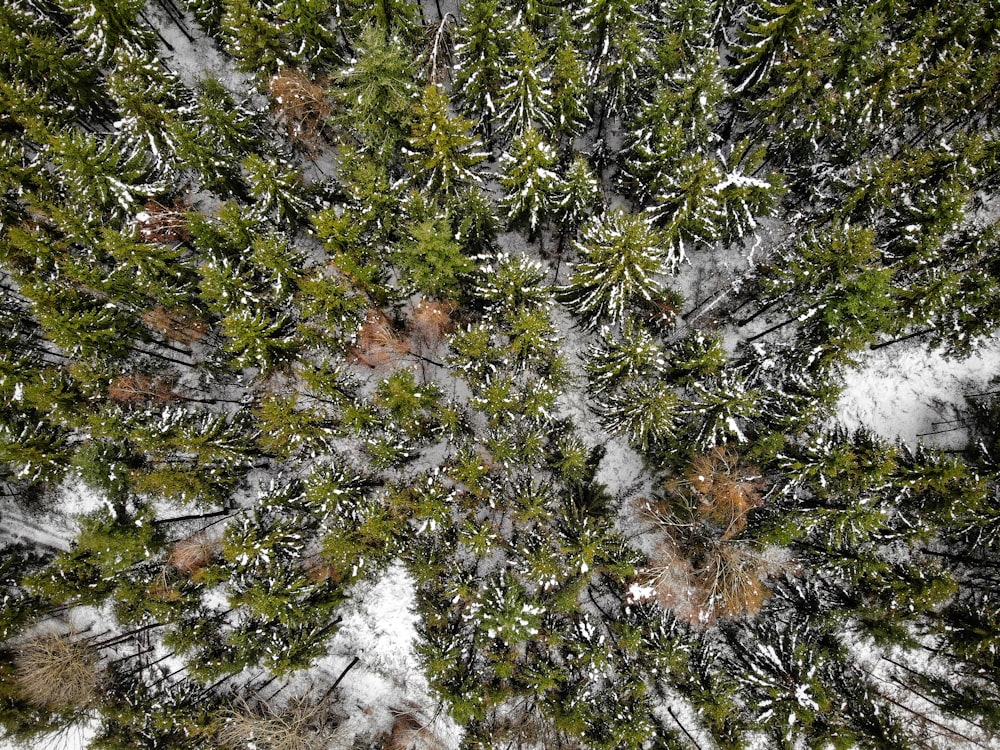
<point x="907" y="391"/>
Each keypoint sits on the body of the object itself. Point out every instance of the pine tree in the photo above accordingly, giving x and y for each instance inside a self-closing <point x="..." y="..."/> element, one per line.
<point x="149" y="101"/>
<point x="615" y="361"/>
<point x="786" y="668"/>
<point x="578" y="197"/>
<point x="259" y="339"/>
<point x="252" y="37"/>
<point x="769" y="37"/>
<point x="529" y="181"/>
<point x="393" y="18"/>
<point x="104" y="26"/>
<point x="482" y="42"/>
<point x="80" y="324"/>
<point x="277" y="188"/>
<point x="431" y="260"/>
<point x="524" y="100"/>
<point x="441" y="151"/>
<point x="109" y="175"/>
<point x="37" y="55"/>
<point x="618" y="45"/>
<point x="376" y="92"/>
<point x="512" y="283"/>
<point x="644" y="411"/>
<point x="568" y="83"/>
<point x="621" y="259"/>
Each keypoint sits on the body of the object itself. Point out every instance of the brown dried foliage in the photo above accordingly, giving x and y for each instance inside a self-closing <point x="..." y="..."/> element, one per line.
<point x="726" y="490"/>
<point x="701" y="570"/>
<point x="177" y="325"/>
<point x="410" y="732"/>
<point x="138" y="388"/>
<point x="193" y="554"/>
<point x="56" y="671"/>
<point x="430" y="320"/>
<point x="318" y="569"/>
<point x="301" y="105"/>
<point x="164" y="224"/>
<point x="378" y="342"/>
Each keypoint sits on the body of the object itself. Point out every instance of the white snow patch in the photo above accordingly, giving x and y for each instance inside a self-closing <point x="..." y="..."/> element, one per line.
<point x="902" y="390"/>
<point x="74" y="737"/>
<point x="380" y="628"/>
<point x="74" y="497"/>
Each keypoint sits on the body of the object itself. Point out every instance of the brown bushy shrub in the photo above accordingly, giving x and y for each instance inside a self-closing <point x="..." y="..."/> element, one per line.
<point x="193" y="554"/>
<point x="163" y="224"/>
<point x="138" y="388"/>
<point x="726" y="490"/>
<point x="300" y="105"/>
<point x="701" y="568"/>
<point x="378" y="342"/>
<point x="302" y="725"/>
<point x="430" y="320"/>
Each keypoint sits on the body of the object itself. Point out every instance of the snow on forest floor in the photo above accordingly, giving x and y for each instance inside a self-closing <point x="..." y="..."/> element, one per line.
<point x="386" y="691"/>
<point x="52" y="525"/>
<point x="903" y="390"/>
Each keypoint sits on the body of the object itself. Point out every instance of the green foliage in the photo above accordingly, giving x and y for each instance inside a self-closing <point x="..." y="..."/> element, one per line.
<point x="105" y="548"/>
<point x="376" y="93"/>
<point x="431" y="260"/>
<point x="622" y="258"/>
<point x="528" y="180"/>
<point x="441" y="152"/>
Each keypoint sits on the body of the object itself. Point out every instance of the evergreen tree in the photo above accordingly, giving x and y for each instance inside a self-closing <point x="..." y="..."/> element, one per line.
<point x="109" y="175"/>
<point x="524" y="100"/>
<point x="376" y="93"/>
<point x="529" y="181"/>
<point x="441" y="151"/>
<point x="622" y="258"/>
<point x="482" y="42"/>
<point x="769" y="38"/>
<point x="252" y="37"/>
<point x="578" y="197"/>
<point x="568" y="84"/>
<point x="619" y="48"/>
<point x="104" y="26"/>
<point x="277" y="188"/>
<point x="431" y="260"/>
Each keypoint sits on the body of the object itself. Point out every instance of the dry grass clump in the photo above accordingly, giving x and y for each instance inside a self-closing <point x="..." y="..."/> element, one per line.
<point x="430" y="320"/>
<point x="176" y="325"/>
<point x="163" y="224"/>
<point x="54" y="671"/>
<point x="378" y="342"/>
<point x="301" y="105"/>
<point x="137" y="389"/>
<point x="318" y="570"/>
<point x="193" y="554"/>
<point x="299" y="726"/>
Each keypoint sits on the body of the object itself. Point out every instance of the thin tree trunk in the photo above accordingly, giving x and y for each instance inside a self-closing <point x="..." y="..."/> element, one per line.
<point x="683" y="728"/>
<point x="340" y="679"/>
<point x="122" y="637"/>
<point x="193" y="517"/>
<point x="913" y="335"/>
<point x="171" y="10"/>
<point x="156" y="31"/>
<point x="772" y="329"/>
<point x="760" y="311"/>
